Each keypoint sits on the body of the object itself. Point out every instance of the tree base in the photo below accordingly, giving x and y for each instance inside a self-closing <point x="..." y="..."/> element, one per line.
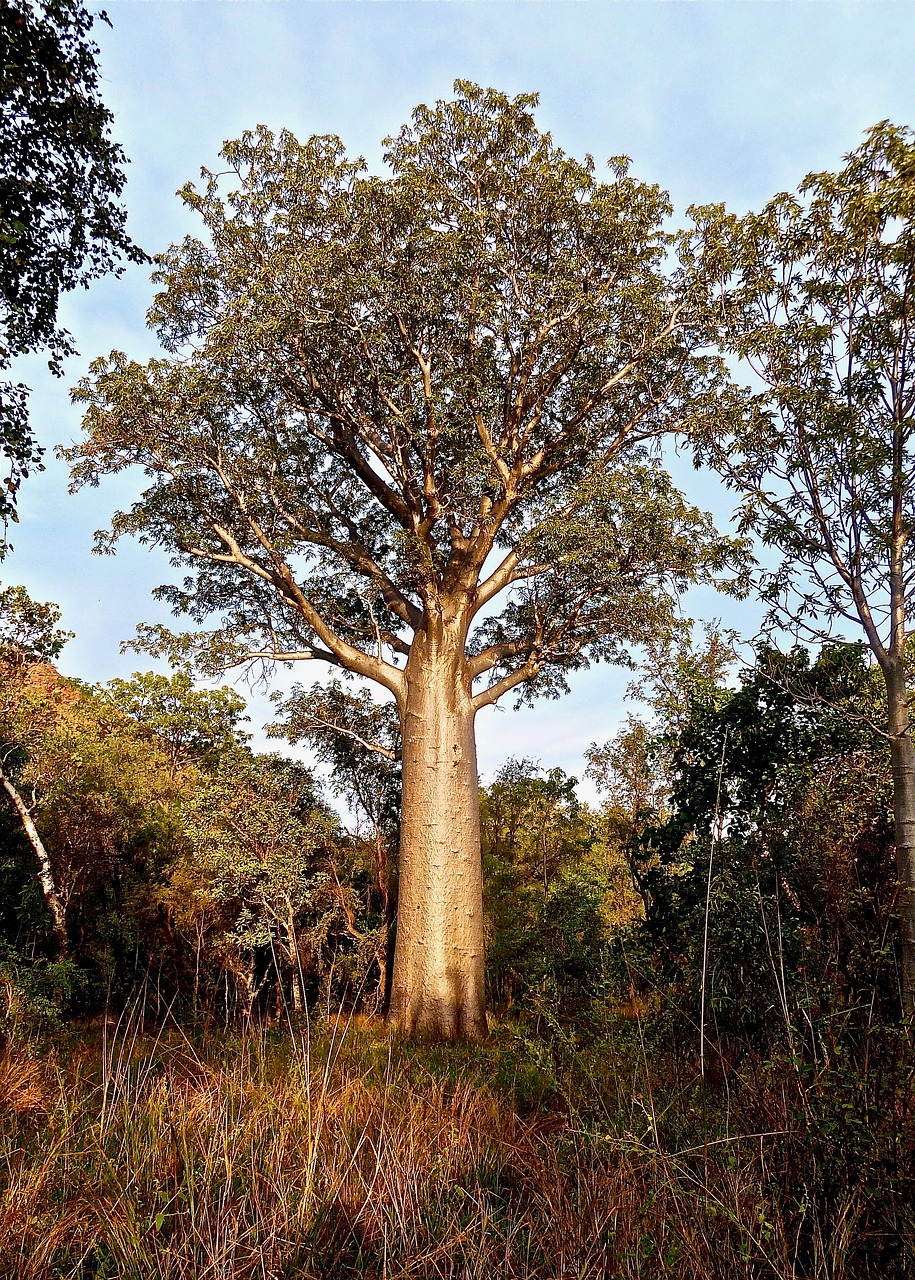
<point x="437" y="1021"/>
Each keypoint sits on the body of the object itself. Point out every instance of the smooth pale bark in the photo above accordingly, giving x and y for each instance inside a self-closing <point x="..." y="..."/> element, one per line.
<point x="45" y="872"/>
<point x="437" y="987"/>
<point x="903" y="762"/>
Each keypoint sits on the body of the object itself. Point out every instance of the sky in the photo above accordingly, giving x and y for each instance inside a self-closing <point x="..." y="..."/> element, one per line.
<point x="716" y="100"/>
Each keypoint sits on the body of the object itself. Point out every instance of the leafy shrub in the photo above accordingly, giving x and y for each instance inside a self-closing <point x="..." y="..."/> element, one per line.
<point x="35" y="995"/>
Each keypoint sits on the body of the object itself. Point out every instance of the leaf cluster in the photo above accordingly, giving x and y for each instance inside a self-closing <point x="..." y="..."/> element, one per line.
<point x="813" y="297"/>
<point x="61" y="176"/>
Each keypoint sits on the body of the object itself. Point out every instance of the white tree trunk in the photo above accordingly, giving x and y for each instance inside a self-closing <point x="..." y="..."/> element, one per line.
<point x="45" y="872"/>
<point x="298" y="995"/>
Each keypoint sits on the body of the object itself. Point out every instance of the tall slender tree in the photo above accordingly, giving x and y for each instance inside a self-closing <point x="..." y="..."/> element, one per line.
<point x="403" y="426"/>
<point x="815" y="295"/>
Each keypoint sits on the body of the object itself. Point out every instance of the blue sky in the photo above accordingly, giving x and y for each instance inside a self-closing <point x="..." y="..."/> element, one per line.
<point x="727" y="100"/>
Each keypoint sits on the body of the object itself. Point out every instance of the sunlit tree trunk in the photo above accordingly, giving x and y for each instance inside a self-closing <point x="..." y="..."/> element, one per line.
<point x="437" y="988"/>
<point x="45" y="873"/>
<point x="903" y="761"/>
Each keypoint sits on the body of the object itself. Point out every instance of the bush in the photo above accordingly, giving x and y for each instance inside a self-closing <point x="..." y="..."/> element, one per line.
<point x="35" y="995"/>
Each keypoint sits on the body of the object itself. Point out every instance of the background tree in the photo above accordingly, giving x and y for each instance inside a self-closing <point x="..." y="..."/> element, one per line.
<point x="532" y="818"/>
<point x="547" y="887"/>
<point x="28" y="631"/>
<point x="359" y="740"/>
<point x="768" y="874"/>
<point x="402" y="427"/>
<point x="100" y="806"/>
<point x="633" y="770"/>
<point x="816" y="296"/>
<point x="29" y="637"/>
<point x="61" y="224"/>
<point x="192" y="725"/>
<point x="264" y="878"/>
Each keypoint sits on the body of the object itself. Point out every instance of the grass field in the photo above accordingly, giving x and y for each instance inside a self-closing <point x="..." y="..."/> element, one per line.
<point x="330" y="1151"/>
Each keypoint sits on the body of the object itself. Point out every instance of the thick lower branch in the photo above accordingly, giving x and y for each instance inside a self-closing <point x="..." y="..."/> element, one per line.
<point x="489" y="697"/>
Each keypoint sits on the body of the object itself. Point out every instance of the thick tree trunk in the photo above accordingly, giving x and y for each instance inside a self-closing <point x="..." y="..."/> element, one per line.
<point x="903" y="760"/>
<point x="437" y="989"/>
<point x="45" y="872"/>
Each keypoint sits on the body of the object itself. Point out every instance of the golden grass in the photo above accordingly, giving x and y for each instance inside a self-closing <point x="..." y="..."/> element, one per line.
<point x="343" y="1155"/>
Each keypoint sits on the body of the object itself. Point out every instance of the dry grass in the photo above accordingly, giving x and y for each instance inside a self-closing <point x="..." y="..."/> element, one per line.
<point x="341" y="1155"/>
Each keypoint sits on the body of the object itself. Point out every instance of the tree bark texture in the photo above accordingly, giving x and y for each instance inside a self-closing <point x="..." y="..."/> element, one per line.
<point x="45" y="872"/>
<point x="437" y="988"/>
<point x="903" y="761"/>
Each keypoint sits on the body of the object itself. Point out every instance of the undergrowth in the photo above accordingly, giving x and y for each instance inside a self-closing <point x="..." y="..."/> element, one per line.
<point x="135" y="1153"/>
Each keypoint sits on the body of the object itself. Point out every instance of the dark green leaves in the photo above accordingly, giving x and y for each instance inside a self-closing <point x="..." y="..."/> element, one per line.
<point x="61" y="223"/>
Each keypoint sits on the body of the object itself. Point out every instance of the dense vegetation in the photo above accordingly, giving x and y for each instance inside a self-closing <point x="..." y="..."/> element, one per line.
<point x="696" y="1057"/>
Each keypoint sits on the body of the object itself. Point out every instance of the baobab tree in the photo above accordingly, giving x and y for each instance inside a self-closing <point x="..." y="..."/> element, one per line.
<point x="403" y="425"/>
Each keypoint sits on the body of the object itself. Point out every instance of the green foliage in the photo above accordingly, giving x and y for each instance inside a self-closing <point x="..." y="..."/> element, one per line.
<point x="634" y="770"/>
<point x="28" y="630"/>
<point x="359" y="739"/>
<point x="180" y="859"/>
<point x="60" y="178"/>
<point x="546" y="893"/>
<point x="770" y="880"/>
<point x="35" y="996"/>
<point x="193" y="725"/>
<point x="106" y="807"/>
<point x="814" y="296"/>
<point x="271" y="888"/>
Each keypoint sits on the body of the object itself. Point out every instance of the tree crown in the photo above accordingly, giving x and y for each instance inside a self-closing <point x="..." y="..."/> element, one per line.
<point x="388" y="400"/>
<point x="814" y="294"/>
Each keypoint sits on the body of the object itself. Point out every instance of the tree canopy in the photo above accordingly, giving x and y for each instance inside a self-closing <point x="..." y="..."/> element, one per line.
<point x="813" y="295"/>
<point x="194" y="726"/>
<point x="376" y="384"/>
<point x="61" y="176"/>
